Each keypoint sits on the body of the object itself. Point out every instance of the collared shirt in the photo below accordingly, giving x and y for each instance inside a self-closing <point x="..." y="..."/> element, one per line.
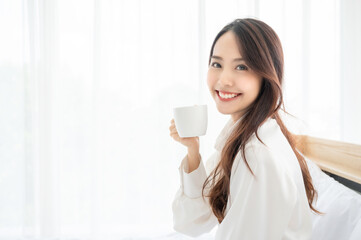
<point x="271" y="205"/>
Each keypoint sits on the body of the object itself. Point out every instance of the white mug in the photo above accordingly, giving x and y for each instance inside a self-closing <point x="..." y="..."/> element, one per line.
<point x="191" y="121"/>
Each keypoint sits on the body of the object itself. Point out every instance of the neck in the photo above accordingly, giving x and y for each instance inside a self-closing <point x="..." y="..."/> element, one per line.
<point x="235" y="118"/>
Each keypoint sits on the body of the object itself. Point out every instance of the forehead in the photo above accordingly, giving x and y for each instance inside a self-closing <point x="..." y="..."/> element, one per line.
<point x="227" y="46"/>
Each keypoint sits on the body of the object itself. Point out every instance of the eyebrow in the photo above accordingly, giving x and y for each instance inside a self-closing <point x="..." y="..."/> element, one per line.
<point x="234" y="60"/>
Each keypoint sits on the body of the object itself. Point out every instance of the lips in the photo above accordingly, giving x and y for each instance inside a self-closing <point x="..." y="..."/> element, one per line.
<point x="227" y="96"/>
<point x="226" y="92"/>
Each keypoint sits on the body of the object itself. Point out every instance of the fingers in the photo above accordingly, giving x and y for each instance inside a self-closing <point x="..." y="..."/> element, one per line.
<point x="173" y="130"/>
<point x="172" y="126"/>
<point x="175" y="136"/>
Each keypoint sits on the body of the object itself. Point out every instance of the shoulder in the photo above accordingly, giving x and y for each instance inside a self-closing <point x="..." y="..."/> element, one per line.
<point x="260" y="145"/>
<point x="267" y="131"/>
<point x="271" y="153"/>
<point x="263" y="156"/>
<point x="270" y="140"/>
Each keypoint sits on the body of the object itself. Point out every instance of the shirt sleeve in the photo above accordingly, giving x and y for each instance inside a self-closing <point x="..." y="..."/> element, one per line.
<point x="263" y="204"/>
<point x="192" y="215"/>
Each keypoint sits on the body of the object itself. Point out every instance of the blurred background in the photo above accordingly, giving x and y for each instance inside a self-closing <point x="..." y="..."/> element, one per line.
<point x="87" y="89"/>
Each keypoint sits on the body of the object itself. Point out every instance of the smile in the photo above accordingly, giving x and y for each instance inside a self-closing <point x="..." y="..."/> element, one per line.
<point x="225" y="97"/>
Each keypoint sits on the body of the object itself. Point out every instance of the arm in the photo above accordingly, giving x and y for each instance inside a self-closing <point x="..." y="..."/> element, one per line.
<point x="192" y="215"/>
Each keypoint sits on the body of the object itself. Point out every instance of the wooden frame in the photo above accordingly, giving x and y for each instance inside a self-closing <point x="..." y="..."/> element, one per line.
<point x="339" y="158"/>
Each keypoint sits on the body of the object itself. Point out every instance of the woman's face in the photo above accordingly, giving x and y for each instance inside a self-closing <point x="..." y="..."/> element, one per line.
<point x="233" y="85"/>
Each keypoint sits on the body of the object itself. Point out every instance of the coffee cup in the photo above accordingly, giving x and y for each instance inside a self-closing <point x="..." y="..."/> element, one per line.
<point x="191" y="121"/>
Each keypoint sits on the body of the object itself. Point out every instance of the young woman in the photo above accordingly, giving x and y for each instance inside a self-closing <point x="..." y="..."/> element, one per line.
<point x="256" y="185"/>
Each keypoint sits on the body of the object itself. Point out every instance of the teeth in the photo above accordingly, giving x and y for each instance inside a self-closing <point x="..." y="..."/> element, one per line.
<point x="227" y="95"/>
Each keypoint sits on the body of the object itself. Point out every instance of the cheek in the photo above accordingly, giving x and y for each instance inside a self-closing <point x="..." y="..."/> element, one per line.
<point x="258" y="84"/>
<point x="211" y="79"/>
<point x="253" y="85"/>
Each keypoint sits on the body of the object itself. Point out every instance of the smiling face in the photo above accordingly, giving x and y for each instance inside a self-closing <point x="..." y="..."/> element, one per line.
<point x="232" y="84"/>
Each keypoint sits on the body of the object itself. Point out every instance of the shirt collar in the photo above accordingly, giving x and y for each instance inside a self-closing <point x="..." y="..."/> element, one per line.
<point x="228" y="128"/>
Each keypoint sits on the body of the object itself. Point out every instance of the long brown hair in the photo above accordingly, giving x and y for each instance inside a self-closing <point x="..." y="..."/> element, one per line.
<point x="261" y="49"/>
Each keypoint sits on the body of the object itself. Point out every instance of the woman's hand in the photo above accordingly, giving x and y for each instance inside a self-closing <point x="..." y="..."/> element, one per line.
<point x="192" y="143"/>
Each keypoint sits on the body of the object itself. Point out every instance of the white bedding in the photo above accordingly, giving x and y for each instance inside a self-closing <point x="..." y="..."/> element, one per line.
<point x="342" y="206"/>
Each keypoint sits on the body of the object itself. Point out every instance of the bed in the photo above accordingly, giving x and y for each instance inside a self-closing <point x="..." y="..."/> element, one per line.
<point x="335" y="168"/>
<point x="338" y="158"/>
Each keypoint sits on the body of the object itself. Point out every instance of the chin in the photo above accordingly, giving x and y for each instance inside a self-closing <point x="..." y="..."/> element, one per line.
<point x="224" y="111"/>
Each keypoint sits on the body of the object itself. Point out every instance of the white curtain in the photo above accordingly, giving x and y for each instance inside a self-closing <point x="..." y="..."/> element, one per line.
<point x="86" y="96"/>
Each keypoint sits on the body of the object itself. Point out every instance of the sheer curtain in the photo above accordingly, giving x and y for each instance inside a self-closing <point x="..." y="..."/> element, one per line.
<point x="87" y="90"/>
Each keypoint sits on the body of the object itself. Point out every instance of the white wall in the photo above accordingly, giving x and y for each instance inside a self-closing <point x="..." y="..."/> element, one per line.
<point x="350" y="70"/>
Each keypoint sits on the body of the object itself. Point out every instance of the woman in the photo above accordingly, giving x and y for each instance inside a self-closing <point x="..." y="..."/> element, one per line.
<point x="256" y="185"/>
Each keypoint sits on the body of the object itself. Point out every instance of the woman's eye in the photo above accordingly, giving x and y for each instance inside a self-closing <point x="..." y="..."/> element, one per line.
<point x="215" y="65"/>
<point x="241" y="67"/>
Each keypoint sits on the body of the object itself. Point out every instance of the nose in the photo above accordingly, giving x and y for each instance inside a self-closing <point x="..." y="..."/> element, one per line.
<point x="226" y="78"/>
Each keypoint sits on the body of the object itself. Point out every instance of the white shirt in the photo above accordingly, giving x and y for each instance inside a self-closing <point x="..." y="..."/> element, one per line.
<point x="271" y="205"/>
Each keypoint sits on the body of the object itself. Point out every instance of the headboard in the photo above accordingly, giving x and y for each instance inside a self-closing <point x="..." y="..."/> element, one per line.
<point x="338" y="158"/>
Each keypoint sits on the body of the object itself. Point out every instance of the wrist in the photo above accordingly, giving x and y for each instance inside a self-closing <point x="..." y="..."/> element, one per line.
<point x="193" y="160"/>
<point x="193" y="151"/>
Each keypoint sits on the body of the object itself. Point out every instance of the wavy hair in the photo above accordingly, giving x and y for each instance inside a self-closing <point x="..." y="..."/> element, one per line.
<point x="261" y="49"/>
